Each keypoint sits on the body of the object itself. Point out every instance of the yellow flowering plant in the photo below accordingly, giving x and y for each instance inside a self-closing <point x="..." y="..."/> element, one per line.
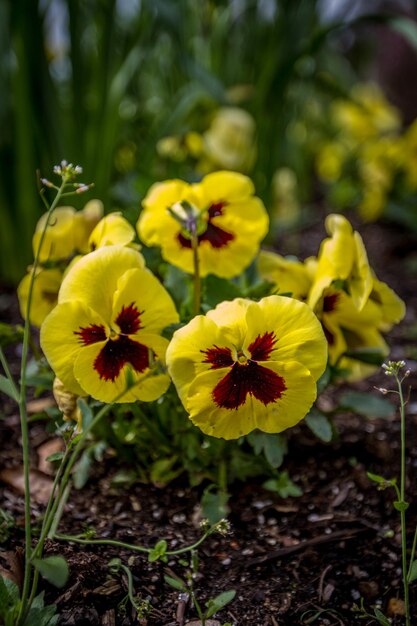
<point x="363" y="155"/>
<point x="256" y="339"/>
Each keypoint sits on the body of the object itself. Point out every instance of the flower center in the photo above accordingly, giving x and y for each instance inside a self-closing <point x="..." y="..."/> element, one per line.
<point x="207" y="231"/>
<point x="119" y="349"/>
<point x="245" y="376"/>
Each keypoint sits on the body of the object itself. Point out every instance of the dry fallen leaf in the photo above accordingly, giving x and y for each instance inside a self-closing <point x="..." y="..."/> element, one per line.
<point x="40" y="485"/>
<point x="40" y="404"/>
<point x="396" y="606"/>
<point x="44" y="451"/>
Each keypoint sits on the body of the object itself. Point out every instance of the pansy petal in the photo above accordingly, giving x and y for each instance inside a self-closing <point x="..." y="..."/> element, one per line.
<point x="140" y="290"/>
<point x="392" y="308"/>
<point x="360" y="279"/>
<point x="186" y="355"/>
<point x="106" y="371"/>
<point x="231" y="318"/>
<point x="62" y="339"/>
<point x="274" y="417"/>
<point x="298" y="333"/>
<point x="225" y="185"/>
<point x="290" y="276"/>
<point x="94" y="278"/>
<point x="111" y="230"/>
<point x="58" y="242"/>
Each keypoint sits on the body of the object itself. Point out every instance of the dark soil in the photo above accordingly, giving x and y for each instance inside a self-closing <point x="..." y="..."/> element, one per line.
<point x="289" y="560"/>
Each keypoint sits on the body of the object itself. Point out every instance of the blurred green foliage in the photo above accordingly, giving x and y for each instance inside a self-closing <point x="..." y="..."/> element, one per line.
<point x="99" y="82"/>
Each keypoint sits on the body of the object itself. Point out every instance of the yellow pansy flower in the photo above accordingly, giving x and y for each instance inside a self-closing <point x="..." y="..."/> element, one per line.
<point x="111" y="230"/>
<point x="342" y="257"/>
<point x="229" y="143"/>
<point x="44" y="294"/>
<point x="229" y="219"/>
<point x="68" y="231"/>
<point x="105" y="330"/>
<point x="248" y="365"/>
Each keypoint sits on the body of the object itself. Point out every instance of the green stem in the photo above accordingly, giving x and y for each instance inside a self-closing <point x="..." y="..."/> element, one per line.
<point x="66" y="476"/>
<point x="197" y="277"/>
<point x="24" y="417"/>
<point x="412" y="554"/>
<point x="101" y="542"/>
<point x="402" y="500"/>
<point x="128" y="546"/>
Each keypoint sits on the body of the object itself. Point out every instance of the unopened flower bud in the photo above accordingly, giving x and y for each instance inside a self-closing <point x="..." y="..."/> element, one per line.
<point x="67" y="403"/>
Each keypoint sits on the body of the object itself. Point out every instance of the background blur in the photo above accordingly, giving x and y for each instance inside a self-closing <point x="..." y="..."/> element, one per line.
<point x="142" y="90"/>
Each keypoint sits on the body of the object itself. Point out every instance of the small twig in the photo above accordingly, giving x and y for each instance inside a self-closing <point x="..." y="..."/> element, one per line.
<point x="339" y="535"/>
<point x="321" y="583"/>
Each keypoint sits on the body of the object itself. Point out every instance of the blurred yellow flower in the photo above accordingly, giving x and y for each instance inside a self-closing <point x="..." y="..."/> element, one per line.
<point x="342" y="257"/>
<point x="229" y="142"/>
<point x="44" y="295"/>
<point x="248" y="365"/>
<point x="67" y="233"/>
<point x="111" y="230"/>
<point x="104" y="336"/>
<point x="229" y="219"/>
<point x="367" y="114"/>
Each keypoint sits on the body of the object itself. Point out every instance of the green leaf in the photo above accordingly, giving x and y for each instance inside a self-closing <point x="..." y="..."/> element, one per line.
<point x="54" y="569"/>
<point x="366" y="404"/>
<point x="158" y="552"/>
<point x="370" y="356"/>
<point x="163" y="471"/>
<point x="175" y="582"/>
<point x="217" y="290"/>
<point x="9" y="596"/>
<point x="320" y="425"/>
<point x="220" y="601"/>
<point x="376" y="478"/>
<point x="82" y="470"/>
<point x="86" y="413"/>
<point x="384" y="621"/>
<point x="283" y="486"/>
<point x="214" y="504"/>
<point x="401" y="506"/>
<point x="8" y="388"/>
<point x="413" y="572"/>
<point x="324" y="380"/>
<point x="56" y="456"/>
<point x="274" y="446"/>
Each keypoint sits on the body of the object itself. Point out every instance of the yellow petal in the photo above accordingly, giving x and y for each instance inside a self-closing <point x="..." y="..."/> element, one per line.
<point x="141" y="288"/>
<point x="61" y="344"/>
<point x="44" y="294"/>
<point x="112" y="230"/>
<point x="299" y="335"/>
<point x="94" y="278"/>
<point x="58" y="242"/>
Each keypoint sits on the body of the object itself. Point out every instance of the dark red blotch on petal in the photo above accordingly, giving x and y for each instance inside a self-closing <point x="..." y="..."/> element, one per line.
<point x="117" y="353"/>
<point x="330" y="302"/>
<point x="253" y="379"/>
<point x="129" y="319"/>
<point x="216" y="236"/>
<point x="218" y="357"/>
<point x="91" y="334"/>
<point x="262" y="347"/>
